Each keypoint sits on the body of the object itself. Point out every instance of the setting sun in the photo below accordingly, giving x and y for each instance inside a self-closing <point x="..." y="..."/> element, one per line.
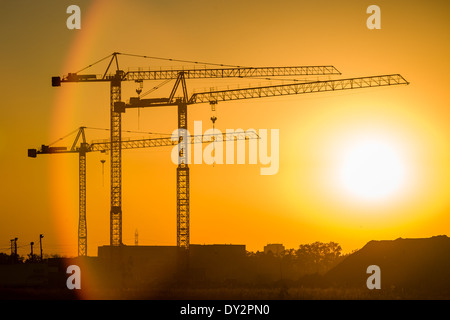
<point x="372" y="169"/>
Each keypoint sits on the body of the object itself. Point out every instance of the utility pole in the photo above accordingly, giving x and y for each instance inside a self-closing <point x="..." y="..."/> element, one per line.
<point x="15" y="248"/>
<point x="31" y="253"/>
<point x="40" y="244"/>
<point x="136" y="238"/>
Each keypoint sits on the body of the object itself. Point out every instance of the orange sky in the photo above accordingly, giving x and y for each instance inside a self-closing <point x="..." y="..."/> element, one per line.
<point x="304" y="202"/>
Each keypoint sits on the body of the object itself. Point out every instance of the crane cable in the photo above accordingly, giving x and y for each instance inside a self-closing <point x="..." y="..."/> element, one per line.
<point x="148" y="92"/>
<point x="158" y="58"/>
<point x="64" y="137"/>
<point x="179" y="60"/>
<point x="184" y="61"/>
<point x="209" y="63"/>
<point x="95" y="63"/>
<point x="131" y="131"/>
<point x="155" y="88"/>
<point x="93" y="128"/>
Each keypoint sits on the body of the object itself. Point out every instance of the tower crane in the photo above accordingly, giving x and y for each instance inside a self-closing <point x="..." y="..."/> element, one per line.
<point x="81" y="147"/>
<point x="117" y="107"/>
<point x="213" y="97"/>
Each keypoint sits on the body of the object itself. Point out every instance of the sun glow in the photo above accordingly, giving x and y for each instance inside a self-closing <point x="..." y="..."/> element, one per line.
<point x="372" y="169"/>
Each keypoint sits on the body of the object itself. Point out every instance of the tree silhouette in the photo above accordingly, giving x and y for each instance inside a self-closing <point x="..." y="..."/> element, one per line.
<point x="4" y="258"/>
<point x="318" y="257"/>
<point x="33" y="258"/>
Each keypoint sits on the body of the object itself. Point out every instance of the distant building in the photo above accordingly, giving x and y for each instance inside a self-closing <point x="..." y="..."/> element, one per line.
<point x="275" y="248"/>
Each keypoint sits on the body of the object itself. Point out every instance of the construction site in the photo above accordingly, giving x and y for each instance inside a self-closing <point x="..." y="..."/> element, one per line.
<point x="147" y="265"/>
<point x="236" y="150"/>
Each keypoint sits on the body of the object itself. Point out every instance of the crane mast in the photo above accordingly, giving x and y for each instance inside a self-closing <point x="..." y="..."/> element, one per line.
<point x="116" y="164"/>
<point x="183" y="167"/>
<point x="82" y="221"/>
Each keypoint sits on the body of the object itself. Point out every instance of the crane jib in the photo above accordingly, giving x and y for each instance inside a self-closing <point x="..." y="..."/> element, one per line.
<point x="200" y="73"/>
<point x="297" y="88"/>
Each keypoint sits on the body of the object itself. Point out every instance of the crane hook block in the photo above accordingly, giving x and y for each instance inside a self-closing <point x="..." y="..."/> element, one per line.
<point x="56" y="81"/>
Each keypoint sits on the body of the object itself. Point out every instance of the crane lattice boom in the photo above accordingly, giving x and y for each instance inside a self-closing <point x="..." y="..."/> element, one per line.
<point x="297" y="88"/>
<point x="205" y="73"/>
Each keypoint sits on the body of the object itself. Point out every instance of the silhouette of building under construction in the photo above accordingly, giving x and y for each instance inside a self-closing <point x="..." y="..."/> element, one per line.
<point x="159" y="264"/>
